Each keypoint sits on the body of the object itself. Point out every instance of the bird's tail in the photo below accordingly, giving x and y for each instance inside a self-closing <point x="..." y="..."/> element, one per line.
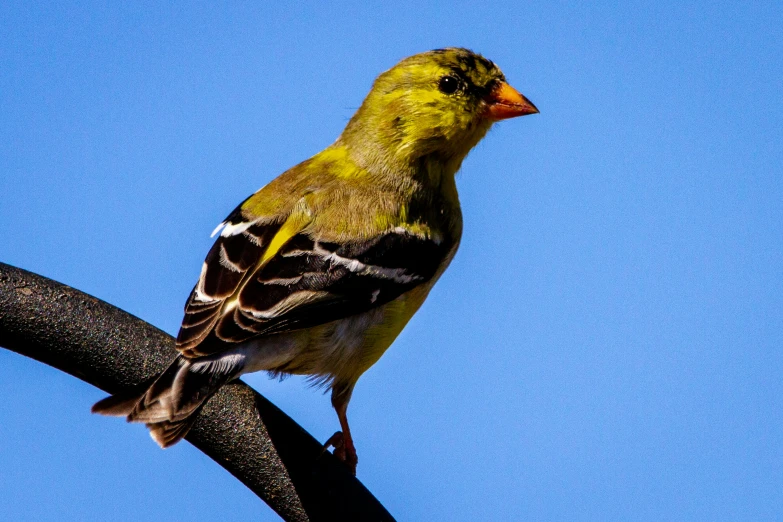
<point x="169" y="404"/>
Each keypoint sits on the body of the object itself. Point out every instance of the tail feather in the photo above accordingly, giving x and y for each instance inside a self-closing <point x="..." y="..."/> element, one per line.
<point x="156" y="403"/>
<point x="121" y="404"/>
<point x="169" y="404"/>
<point x="169" y="433"/>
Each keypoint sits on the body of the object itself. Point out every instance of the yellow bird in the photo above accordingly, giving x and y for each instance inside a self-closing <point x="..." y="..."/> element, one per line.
<point x="319" y="271"/>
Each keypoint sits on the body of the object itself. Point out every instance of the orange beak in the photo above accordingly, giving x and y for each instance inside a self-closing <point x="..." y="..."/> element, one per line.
<point x="505" y="102"/>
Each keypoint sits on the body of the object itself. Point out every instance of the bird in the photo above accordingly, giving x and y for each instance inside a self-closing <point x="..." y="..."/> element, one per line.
<point x="319" y="271"/>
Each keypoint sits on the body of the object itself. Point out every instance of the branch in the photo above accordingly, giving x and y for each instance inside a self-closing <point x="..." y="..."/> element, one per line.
<point x="238" y="428"/>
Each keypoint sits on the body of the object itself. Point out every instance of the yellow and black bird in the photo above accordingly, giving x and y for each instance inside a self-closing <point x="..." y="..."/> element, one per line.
<point x="319" y="271"/>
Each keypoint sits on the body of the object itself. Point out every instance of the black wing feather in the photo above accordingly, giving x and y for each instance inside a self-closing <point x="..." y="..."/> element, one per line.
<point x="307" y="283"/>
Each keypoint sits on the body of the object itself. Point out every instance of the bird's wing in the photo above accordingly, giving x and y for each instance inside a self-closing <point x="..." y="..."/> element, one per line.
<point x="262" y="277"/>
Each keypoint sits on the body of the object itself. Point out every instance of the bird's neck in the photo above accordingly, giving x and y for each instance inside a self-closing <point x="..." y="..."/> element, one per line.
<point x="400" y="165"/>
<point x="427" y="184"/>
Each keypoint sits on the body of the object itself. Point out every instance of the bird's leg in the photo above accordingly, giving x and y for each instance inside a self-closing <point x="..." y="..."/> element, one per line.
<point x="347" y="450"/>
<point x="342" y="440"/>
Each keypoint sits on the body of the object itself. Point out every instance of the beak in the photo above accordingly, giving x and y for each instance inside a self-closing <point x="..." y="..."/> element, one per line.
<point x="505" y="102"/>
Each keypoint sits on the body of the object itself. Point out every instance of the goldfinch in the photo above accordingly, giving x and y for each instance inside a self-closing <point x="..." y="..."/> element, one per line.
<point x="319" y="271"/>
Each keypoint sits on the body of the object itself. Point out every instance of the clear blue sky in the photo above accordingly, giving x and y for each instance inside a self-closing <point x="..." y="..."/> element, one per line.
<point x="607" y="344"/>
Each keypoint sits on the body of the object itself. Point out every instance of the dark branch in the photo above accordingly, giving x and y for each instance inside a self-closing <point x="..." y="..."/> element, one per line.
<point x="238" y="428"/>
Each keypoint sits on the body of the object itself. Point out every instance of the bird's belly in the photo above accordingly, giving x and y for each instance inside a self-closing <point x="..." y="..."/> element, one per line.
<point x="338" y="351"/>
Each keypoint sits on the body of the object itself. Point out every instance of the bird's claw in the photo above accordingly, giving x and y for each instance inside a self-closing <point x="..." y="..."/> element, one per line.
<point x="337" y="441"/>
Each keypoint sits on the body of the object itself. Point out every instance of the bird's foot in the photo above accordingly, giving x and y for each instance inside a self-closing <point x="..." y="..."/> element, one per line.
<point x="343" y="450"/>
<point x="336" y="441"/>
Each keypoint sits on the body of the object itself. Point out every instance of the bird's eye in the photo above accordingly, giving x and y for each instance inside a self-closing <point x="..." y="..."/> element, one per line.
<point x="448" y="84"/>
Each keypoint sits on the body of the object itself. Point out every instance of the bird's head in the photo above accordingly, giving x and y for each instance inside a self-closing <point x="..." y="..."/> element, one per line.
<point x="436" y="104"/>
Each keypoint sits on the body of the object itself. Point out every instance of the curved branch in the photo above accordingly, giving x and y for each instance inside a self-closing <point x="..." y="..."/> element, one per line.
<point x="238" y="428"/>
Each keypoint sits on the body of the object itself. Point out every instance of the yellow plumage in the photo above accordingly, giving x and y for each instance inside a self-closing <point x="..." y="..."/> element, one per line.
<point x="319" y="271"/>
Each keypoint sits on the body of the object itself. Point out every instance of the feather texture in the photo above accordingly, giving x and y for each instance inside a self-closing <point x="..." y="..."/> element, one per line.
<point x="319" y="271"/>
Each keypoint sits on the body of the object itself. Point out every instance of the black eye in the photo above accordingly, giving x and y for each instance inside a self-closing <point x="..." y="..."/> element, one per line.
<point x="448" y="85"/>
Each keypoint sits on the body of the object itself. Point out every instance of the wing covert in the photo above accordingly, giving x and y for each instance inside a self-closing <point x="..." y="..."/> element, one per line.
<point x="231" y="259"/>
<point x="305" y="283"/>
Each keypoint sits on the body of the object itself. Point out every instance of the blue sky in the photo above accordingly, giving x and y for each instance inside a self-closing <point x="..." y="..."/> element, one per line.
<point x="606" y="344"/>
